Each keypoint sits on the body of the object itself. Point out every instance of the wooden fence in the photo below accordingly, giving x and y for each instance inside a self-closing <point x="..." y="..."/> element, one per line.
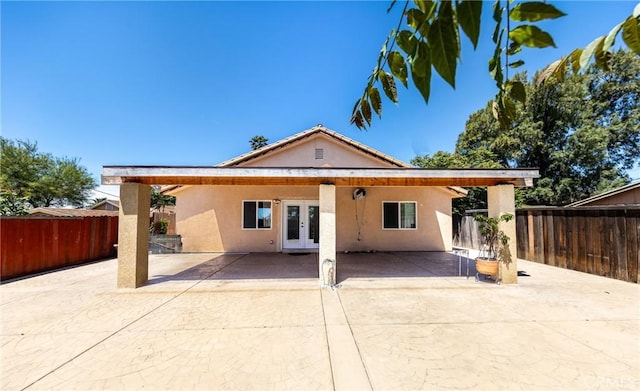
<point x="35" y="244"/>
<point x="599" y="240"/>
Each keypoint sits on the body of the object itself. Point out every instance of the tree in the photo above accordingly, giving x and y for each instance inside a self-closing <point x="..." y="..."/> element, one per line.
<point x="581" y="133"/>
<point x="479" y="158"/>
<point x="12" y="205"/>
<point x="258" y="142"/>
<point x="42" y="179"/>
<point x="159" y="201"/>
<point x="428" y="36"/>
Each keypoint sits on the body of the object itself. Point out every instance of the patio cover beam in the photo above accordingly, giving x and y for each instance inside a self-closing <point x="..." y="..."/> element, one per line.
<point x="287" y="176"/>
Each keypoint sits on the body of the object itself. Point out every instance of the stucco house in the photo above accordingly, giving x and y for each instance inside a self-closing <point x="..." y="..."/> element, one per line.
<point x="314" y="191"/>
<point x="286" y="218"/>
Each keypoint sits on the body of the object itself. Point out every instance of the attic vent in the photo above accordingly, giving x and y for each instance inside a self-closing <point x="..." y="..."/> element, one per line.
<point x="319" y="153"/>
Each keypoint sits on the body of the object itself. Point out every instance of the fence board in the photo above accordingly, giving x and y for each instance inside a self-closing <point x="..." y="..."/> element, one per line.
<point x="621" y="245"/>
<point x="596" y="252"/>
<point x="29" y="245"/>
<point x="633" y="258"/>
<point x="603" y="241"/>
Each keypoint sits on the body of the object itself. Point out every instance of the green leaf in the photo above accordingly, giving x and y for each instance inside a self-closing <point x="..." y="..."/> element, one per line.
<point x="561" y="69"/>
<point x="574" y="57"/>
<point x="531" y="36"/>
<point x="421" y="70"/>
<point x="418" y="20"/>
<point x="516" y="64"/>
<point x="388" y="86"/>
<point x="631" y="33"/>
<point x="514" y="48"/>
<point x="398" y="67"/>
<point x="421" y="61"/>
<point x="534" y="11"/>
<point x="517" y="91"/>
<point x="509" y="108"/>
<point x="444" y="44"/>
<point x="611" y="37"/>
<point x="407" y="41"/>
<point x="376" y="102"/>
<point x="357" y="120"/>
<point x="497" y="11"/>
<point x="588" y="51"/>
<point x="469" y="15"/>
<point x="355" y="107"/>
<point x="495" y="64"/>
<point x="366" y="111"/>
<point x="602" y="57"/>
<point x="423" y="5"/>
<point x="498" y="113"/>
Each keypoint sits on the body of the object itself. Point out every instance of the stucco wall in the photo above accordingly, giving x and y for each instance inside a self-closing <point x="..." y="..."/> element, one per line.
<point x="303" y="154"/>
<point x="209" y="218"/>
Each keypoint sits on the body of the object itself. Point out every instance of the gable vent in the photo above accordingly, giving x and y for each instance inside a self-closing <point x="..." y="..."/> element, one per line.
<point x="319" y="153"/>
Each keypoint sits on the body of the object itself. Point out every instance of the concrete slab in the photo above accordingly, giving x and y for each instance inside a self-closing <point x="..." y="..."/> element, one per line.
<point x="398" y="321"/>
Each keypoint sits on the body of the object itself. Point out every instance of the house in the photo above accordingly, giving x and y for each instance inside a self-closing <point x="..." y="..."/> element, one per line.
<point x="258" y="218"/>
<point x="314" y="191"/>
<point x="624" y="195"/>
<point x="107" y="205"/>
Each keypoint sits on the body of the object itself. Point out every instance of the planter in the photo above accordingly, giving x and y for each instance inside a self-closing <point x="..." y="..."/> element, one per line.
<point x="487" y="266"/>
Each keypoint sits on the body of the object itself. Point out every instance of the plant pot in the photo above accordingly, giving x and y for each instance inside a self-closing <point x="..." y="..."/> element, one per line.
<point x="487" y="266"/>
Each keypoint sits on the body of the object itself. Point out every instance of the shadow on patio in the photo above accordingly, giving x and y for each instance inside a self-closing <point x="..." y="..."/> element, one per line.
<point x="261" y="266"/>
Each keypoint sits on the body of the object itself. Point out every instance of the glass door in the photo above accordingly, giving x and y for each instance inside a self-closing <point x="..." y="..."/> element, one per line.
<point x="301" y="228"/>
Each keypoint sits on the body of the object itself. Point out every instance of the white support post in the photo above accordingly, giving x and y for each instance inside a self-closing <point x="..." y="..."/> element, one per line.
<point x="327" y="251"/>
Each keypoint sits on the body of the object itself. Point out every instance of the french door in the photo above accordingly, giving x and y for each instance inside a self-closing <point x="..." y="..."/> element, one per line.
<point x="301" y="224"/>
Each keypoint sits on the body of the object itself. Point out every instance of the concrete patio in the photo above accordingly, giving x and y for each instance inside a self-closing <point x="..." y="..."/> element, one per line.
<point x="398" y="321"/>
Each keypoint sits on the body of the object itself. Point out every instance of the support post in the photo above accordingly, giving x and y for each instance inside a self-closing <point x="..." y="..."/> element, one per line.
<point x="327" y="251"/>
<point x="501" y="200"/>
<point x="133" y="235"/>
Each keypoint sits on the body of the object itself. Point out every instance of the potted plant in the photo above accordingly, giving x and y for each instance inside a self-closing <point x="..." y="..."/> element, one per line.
<point x="494" y="247"/>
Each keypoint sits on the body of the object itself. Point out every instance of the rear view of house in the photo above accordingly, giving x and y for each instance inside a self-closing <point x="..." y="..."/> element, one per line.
<point x="314" y="190"/>
<point x="287" y="218"/>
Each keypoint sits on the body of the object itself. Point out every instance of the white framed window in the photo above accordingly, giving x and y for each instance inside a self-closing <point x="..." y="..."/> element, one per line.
<point x="256" y="214"/>
<point x="399" y="215"/>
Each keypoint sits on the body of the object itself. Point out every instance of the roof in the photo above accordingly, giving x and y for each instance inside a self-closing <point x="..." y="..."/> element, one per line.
<point x="65" y="212"/>
<point x="606" y="194"/>
<point x="114" y="203"/>
<point x="292" y="176"/>
<point x="318" y="129"/>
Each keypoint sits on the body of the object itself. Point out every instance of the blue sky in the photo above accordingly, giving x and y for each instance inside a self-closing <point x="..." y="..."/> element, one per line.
<point x="189" y="83"/>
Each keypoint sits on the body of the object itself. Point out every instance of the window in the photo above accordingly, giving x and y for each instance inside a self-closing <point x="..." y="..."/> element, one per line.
<point x="399" y="215"/>
<point x="256" y="214"/>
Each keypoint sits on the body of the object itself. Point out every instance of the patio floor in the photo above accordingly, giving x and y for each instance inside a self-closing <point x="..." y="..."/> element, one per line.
<point x="399" y="321"/>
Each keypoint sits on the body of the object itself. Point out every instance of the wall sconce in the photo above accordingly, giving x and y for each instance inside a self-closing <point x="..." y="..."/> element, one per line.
<point x="276" y="201"/>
